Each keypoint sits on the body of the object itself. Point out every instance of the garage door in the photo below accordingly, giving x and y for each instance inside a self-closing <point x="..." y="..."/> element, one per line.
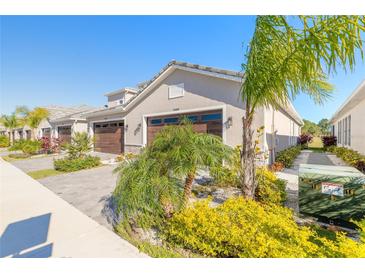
<point x="204" y="122"/>
<point x="109" y="137"/>
<point x="64" y="134"/>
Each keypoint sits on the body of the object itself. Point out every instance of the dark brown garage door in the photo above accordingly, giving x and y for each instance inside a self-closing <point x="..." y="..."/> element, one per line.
<point x="204" y="122"/>
<point x="109" y="137"/>
<point x="64" y="134"/>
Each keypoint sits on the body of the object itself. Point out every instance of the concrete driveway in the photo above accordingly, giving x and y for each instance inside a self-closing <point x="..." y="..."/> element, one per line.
<point x="87" y="190"/>
<point x="46" y="162"/>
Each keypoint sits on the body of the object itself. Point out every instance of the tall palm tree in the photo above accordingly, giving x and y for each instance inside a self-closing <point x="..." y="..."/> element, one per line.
<point x="182" y="151"/>
<point x="10" y="122"/>
<point x="33" y="117"/>
<point x="286" y="57"/>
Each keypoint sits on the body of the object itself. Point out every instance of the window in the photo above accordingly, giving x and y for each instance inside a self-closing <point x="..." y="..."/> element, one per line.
<point x="121" y="102"/>
<point x="193" y="118"/>
<point x="171" y="120"/>
<point x="156" y="121"/>
<point x="176" y="91"/>
<point x="97" y="126"/>
<point x="339" y="132"/>
<point x="349" y="130"/>
<point x="211" y="117"/>
<point x="105" y="125"/>
<point x="113" y="124"/>
<point x="345" y="131"/>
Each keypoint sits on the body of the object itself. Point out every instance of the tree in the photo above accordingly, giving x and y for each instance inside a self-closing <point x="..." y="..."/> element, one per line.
<point x="81" y="143"/>
<point x="183" y="151"/>
<point x="324" y="126"/>
<point x="286" y="59"/>
<point x="10" y="122"/>
<point x="310" y="128"/>
<point x="32" y="118"/>
<point x="158" y="182"/>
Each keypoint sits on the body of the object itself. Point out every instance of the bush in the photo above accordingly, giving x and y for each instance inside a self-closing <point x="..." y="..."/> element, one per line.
<point x="50" y="145"/>
<point x="270" y="189"/>
<point x="277" y="166"/>
<point x="329" y="141"/>
<point x="4" y="141"/>
<point x="229" y="174"/>
<point x="352" y="157"/>
<point x="287" y="156"/>
<point x="81" y="143"/>
<point x="245" y="228"/>
<point x="305" y="139"/>
<point x="28" y="147"/>
<point x="73" y="164"/>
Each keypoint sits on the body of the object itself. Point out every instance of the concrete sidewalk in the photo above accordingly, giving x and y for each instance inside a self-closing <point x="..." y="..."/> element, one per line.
<point x="35" y="222"/>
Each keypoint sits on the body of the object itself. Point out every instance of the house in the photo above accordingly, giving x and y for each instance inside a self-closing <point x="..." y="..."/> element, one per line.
<point x="347" y="122"/>
<point x="208" y="96"/>
<point x="62" y="122"/>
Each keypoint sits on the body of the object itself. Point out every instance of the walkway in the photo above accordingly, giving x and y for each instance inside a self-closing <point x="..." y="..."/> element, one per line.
<point x="291" y="174"/>
<point x="34" y="222"/>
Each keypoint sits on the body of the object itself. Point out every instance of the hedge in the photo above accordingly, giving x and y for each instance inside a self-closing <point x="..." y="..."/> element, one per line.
<point x="287" y="156"/>
<point x="68" y="164"/>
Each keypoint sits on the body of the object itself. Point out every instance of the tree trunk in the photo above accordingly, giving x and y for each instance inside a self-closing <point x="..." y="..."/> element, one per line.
<point x="189" y="185"/>
<point x="33" y="137"/>
<point x="11" y="139"/>
<point x="248" y="179"/>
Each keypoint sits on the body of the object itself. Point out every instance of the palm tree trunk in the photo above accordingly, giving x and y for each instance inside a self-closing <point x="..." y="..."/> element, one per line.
<point x="189" y="185"/>
<point x="248" y="179"/>
<point x="11" y="139"/>
<point x="33" y="137"/>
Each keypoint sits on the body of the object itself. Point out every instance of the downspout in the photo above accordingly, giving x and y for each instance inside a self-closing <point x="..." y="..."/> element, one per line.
<point x="273" y="136"/>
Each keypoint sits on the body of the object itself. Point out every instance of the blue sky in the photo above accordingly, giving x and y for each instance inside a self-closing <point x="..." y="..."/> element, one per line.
<point x="67" y="60"/>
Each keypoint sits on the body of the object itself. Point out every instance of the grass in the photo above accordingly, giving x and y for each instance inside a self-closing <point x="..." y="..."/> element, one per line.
<point x="11" y="159"/>
<point x="39" y="174"/>
<point x="316" y="143"/>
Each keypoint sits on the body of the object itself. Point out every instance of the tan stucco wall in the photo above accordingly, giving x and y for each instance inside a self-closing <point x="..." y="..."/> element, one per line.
<point x="357" y="127"/>
<point x="201" y="92"/>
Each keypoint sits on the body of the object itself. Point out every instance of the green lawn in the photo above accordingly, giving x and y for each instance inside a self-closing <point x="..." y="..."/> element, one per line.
<point x="39" y="174"/>
<point x="316" y="144"/>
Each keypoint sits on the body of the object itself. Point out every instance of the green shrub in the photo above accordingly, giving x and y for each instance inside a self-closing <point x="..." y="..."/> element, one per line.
<point x="228" y="174"/>
<point x="270" y="189"/>
<point x="245" y="228"/>
<point x="81" y="143"/>
<point x="351" y="157"/>
<point x="28" y="147"/>
<point x="287" y="156"/>
<point x="4" y="141"/>
<point x="73" y="164"/>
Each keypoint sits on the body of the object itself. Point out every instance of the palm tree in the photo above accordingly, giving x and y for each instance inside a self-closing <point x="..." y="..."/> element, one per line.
<point x="286" y="59"/>
<point x="32" y="118"/>
<point x="10" y="122"/>
<point x="182" y="152"/>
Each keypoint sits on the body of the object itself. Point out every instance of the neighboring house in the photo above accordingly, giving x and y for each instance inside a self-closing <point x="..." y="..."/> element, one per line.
<point x="62" y="122"/>
<point x="208" y="96"/>
<point x="347" y="122"/>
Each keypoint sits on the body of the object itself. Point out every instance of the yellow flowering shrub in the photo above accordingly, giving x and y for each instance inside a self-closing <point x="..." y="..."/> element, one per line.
<point x="269" y="189"/>
<point x="245" y="228"/>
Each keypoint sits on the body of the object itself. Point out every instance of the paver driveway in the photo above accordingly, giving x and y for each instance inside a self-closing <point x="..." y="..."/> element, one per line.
<point x="87" y="190"/>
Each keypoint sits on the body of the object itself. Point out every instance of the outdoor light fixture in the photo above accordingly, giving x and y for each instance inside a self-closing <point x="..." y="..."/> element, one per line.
<point x="229" y="122"/>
